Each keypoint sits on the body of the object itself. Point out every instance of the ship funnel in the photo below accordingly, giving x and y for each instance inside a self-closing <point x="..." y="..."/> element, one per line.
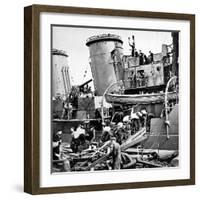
<point x="101" y="62"/>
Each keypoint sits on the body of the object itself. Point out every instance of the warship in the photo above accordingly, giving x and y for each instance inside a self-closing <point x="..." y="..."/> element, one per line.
<point x="136" y="92"/>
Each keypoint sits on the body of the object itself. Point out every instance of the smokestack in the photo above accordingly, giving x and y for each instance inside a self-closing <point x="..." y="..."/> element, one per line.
<point x="101" y="64"/>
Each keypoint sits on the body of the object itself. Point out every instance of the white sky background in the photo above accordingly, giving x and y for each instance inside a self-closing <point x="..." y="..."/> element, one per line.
<point x="73" y="41"/>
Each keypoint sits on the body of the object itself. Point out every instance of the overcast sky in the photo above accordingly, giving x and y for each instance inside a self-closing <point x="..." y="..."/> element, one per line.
<point x="73" y="40"/>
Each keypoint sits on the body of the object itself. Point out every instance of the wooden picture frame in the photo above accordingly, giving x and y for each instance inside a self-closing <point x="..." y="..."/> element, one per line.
<point x="32" y="105"/>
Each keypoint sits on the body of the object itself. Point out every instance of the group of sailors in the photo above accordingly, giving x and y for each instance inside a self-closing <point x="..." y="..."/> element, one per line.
<point x="113" y="135"/>
<point x="70" y="104"/>
<point x="82" y="134"/>
<point x="123" y="126"/>
<point x="139" y="79"/>
<point x="143" y="58"/>
<point x="85" y="91"/>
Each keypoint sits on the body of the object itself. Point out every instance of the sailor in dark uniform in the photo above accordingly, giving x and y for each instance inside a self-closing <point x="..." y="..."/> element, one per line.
<point x="150" y="56"/>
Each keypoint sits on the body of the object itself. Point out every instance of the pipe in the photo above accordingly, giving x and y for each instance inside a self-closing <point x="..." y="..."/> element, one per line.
<point x="64" y="81"/>
<point x="166" y="106"/>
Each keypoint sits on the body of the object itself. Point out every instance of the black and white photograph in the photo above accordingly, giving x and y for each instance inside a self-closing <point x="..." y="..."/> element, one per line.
<point x="114" y="99"/>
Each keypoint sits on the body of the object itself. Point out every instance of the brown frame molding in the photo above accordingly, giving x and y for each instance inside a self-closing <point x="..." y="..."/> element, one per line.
<point x="32" y="106"/>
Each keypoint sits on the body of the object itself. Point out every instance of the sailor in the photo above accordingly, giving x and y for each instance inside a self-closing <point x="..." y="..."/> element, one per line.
<point x="150" y="57"/>
<point x="141" y="58"/>
<point x="89" y="131"/>
<point x="143" y="78"/>
<point x="120" y="133"/>
<point x="139" y="79"/>
<point x="132" y="79"/>
<point x="135" y="124"/>
<point x="78" y="138"/>
<point x="56" y="145"/>
<point x="106" y="133"/>
<point x="115" y="152"/>
<point x="136" y="53"/>
<point x="127" y="126"/>
<point x="144" y="117"/>
<point x="139" y="114"/>
<point x="146" y="60"/>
